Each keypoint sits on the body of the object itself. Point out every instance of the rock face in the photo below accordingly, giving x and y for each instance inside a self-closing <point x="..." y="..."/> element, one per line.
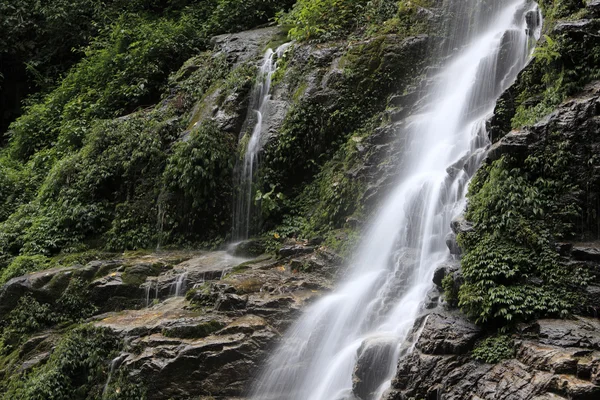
<point x="211" y="343"/>
<point x="193" y="323"/>
<point x="555" y="359"/>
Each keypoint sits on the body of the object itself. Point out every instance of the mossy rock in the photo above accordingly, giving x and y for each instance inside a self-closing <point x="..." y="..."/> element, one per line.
<point x="137" y="274"/>
<point x="195" y="331"/>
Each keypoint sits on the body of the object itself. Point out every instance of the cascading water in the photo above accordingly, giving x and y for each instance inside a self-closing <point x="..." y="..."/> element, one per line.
<point x="367" y="319"/>
<point x="245" y="195"/>
<point x="179" y="285"/>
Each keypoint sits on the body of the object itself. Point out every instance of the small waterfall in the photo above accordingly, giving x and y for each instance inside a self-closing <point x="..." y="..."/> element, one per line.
<point x="179" y="286"/>
<point x="114" y="364"/>
<point x="346" y="346"/>
<point x="242" y="218"/>
<point x="148" y="291"/>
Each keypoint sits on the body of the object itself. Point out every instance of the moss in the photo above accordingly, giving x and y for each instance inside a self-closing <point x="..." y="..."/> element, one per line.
<point x="194" y="331"/>
<point x="135" y="275"/>
<point x="24" y="265"/>
<point x="67" y="260"/>
<point x="564" y="63"/>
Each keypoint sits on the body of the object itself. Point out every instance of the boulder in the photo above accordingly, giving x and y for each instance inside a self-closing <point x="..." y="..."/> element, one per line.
<point x="248" y="248"/>
<point x="442" y="271"/>
<point x="295" y="250"/>
<point x="461" y="225"/>
<point x="447" y="334"/>
<point x="375" y="356"/>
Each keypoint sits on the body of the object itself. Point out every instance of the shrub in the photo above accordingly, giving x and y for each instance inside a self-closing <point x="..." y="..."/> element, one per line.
<point x="74" y="303"/>
<point x="197" y="182"/>
<point x="494" y="349"/>
<point x="29" y="316"/>
<point x="76" y="369"/>
<point x="510" y="265"/>
<point x="23" y="265"/>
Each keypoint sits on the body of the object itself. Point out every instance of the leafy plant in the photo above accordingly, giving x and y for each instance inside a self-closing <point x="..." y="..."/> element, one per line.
<point x="511" y="269"/>
<point x="75" y="370"/>
<point x="494" y="349"/>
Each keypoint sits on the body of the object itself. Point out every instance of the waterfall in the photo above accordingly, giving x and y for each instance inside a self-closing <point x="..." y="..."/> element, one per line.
<point x="179" y="285"/>
<point x="346" y="345"/>
<point x="242" y="218"/>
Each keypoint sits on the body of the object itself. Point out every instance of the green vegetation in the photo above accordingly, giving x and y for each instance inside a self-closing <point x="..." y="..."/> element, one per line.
<point x="89" y="164"/>
<point x="76" y="369"/>
<point x="31" y="316"/>
<point x="521" y="206"/>
<point x="320" y="137"/>
<point x="494" y="349"/>
<point x="322" y="20"/>
<point x="511" y="268"/>
<point x="564" y="62"/>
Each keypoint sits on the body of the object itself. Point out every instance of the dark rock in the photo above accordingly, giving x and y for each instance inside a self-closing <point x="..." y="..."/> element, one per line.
<point x="45" y="286"/>
<point x="593" y="6"/>
<point x="533" y="19"/>
<point x="443" y="270"/>
<point x="452" y="244"/>
<point x="374" y="357"/>
<point x="541" y="371"/>
<point x="515" y="143"/>
<point x="581" y="253"/>
<point x="243" y="46"/>
<point x="316" y="241"/>
<point x="461" y="225"/>
<point x="295" y="250"/>
<point x="193" y="330"/>
<point x="564" y="249"/>
<point x="581" y="332"/>
<point x="231" y="302"/>
<point x="581" y="25"/>
<point x="432" y="299"/>
<point x="112" y="293"/>
<point x="447" y="334"/>
<point x="248" y="248"/>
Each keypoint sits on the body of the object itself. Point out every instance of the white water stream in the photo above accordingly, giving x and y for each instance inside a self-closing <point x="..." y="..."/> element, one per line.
<point x="242" y="218"/>
<point x="370" y="314"/>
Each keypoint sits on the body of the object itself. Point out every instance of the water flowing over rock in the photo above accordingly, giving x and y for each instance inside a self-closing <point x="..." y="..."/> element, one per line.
<point x="242" y="218"/>
<point x="369" y="315"/>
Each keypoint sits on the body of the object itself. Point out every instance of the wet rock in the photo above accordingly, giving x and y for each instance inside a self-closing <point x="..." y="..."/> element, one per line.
<point x="295" y="250"/>
<point x="586" y="253"/>
<point x="452" y="244"/>
<point x="558" y="360"/>
<point x="581" y="332"/>
<point x="461" y="225"/>
<point x="231" y="302"/>
<point x="515" y="143"/>
<point x="442" y="271"/>
<point x="112" y="293"/>
<point x="593" y="6"/>
<point x="192" y="329"/>
<point x="249" y="248"/>
<point x="242" y="46"/>
<point x="447" y="334"/>
<point x="45" y="286"/>
<point x="581" y="25"/>
<point x="432" y="298"/>
<point x="374" y="358"/>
